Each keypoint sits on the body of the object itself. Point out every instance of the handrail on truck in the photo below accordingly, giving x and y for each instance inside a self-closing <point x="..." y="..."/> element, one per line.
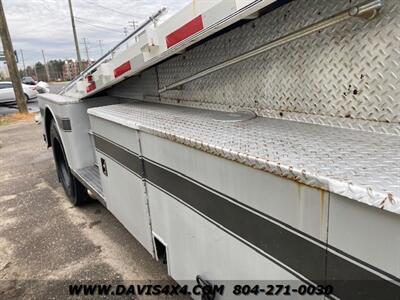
<point x="153" y="18"/>
<point x="367" y="10"/>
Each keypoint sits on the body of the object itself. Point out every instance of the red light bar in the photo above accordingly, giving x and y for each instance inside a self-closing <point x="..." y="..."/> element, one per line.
<point x="122" y="69"/>
<point x="185" y="31"/>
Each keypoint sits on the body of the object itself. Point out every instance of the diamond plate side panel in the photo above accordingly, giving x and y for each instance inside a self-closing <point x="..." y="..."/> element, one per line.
<point x="346" y="76"/>
<point x="138" y="87"/>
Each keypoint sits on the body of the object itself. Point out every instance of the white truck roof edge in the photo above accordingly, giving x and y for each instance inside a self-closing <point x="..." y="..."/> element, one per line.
<point x="195" y="22"/>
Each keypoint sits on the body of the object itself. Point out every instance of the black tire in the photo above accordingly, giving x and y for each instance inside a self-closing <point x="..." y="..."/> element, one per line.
<point x="75" y="191"/>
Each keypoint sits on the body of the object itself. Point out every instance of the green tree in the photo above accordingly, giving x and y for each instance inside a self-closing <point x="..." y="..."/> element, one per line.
<point x="55" y="69"/>
<point x="41" y="71"/>
<point x="30" y="72"/>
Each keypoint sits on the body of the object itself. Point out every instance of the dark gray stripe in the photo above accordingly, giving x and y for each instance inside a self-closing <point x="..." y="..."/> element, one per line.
<point x="64" y="123"/>
<point x="123" y="156"/>
<point x="256" y="230"/>
<point x="275" y="220"/>
<point x="312" y="261"/>
<point x="349" y="280"/>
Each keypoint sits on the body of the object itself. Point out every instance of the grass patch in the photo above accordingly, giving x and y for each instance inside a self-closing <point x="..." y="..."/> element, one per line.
<point x="17" y="117"/>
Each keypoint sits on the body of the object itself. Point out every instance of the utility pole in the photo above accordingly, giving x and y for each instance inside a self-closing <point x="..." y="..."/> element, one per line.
<point x="101" y="47"/>
<point x="45" y="66"/>
<point x="126" y="34"/>
<point x="78" y="53"/>
<point x="34" y="69"/>
<point x="133" y="24"/>
<point x="86" y="48"/>
<point x="68" y="69"/>
<point x="23" y="61"/>
<point x="11" y="62"/>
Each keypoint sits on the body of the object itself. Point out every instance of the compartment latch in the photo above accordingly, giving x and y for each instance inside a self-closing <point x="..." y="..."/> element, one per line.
<point x="104" y="166"/>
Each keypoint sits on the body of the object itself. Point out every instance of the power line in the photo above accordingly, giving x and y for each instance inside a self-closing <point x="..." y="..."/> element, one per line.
<point x="101" y="22"/>
<point x="47" y="24"/>
<point x="98" y="26"/>
<point x="94" y="29"/>
<point x="112" y="9"/>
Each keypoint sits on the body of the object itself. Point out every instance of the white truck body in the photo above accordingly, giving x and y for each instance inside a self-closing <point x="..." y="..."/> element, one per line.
<point x="257" y="141"/>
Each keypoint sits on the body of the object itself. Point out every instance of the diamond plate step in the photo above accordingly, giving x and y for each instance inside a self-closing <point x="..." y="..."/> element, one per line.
<point x="90" y="178"/>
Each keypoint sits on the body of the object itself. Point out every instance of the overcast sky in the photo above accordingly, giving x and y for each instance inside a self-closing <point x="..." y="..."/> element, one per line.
<point x="45" y="24"/>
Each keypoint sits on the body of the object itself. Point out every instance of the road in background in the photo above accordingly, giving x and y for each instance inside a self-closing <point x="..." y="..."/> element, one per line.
<point x="32" y="105"/>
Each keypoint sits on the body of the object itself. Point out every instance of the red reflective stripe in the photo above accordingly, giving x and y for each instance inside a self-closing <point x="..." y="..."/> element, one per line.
<point x="89" y="78"/>
<point x="185" y="31"/>
<point x="125" y="67"/>
<point x="91" y="87"/>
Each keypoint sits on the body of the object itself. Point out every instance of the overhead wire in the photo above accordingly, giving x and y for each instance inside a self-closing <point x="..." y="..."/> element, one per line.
<point x="97" y="26"/>
<point x="101" y="22"/>
<point x="112" y="9"/>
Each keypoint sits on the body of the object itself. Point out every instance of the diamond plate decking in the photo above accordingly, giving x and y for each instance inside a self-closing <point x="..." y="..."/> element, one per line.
<point x="91" y="177"/>
<point x="363" y="166"/>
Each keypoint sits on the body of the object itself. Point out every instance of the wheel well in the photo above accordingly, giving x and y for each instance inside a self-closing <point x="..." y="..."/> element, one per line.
<point x="48" y="116"/>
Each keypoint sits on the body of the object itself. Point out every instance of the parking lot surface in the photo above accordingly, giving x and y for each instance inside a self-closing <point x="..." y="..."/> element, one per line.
<point x="45" y="242"/>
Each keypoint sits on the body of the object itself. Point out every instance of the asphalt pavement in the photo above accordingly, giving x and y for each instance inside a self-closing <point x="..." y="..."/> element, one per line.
<point x="46" y="243"/>
<point x="32" y="105"/>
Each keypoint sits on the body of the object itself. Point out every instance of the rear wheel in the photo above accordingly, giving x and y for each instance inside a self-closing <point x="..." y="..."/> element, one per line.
<point x="75" y="191"/>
